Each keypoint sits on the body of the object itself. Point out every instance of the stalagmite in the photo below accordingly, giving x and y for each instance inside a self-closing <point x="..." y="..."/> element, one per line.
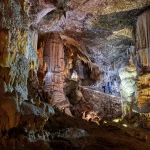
<point x="127" y="87"/>
<point x="54" y="80"/>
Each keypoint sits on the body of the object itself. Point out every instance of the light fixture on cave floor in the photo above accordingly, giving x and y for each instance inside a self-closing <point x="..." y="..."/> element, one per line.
<point x="105" y="121"/>
<point x="117" y="120"/>
<point x="124" y="125"/>
<point x="74" y="75"/>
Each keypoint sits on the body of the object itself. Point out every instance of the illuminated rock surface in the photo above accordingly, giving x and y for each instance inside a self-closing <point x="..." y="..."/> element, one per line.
<point x="127" y="87"/>
<point x="45" y="45"/>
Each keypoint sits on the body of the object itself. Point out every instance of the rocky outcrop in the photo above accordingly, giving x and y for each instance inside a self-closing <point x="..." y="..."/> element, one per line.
<point x="97" y="137"/>
<point x="21" y="111"/>
<point x="35" y="115"/>
<point x="18" y="47"/>
<point x="105" y="106"/>
<point x="10" y="111"/>
<point x="92" y="105"/>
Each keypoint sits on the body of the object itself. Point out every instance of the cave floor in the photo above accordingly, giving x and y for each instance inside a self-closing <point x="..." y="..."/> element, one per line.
<point x="110" y="136"/>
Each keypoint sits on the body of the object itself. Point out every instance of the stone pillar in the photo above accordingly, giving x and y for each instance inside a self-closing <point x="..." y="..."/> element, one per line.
<point x="143" y="65"/>
<point x="127" y="87"/>
<point x="54" y="80"/>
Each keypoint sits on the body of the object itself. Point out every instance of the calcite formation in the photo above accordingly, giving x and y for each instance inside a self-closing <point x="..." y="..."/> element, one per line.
<point x="143" y="92"/>
<point x="142" y="54"/>
<point x="53" y="59"/>
<point x="142" y="37"/>
<point x="104" y="106"/>
<point x="127" y="87"/>
<point x="92" y="105"/>
<point x="18" y="46"/>
<point x="143" y="60"/>
<point x="85" y="42"/>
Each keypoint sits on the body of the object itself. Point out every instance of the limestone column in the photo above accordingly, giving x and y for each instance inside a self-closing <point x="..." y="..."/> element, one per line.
<point x="143" y="65"/>
<point x="127" y="88"/>
<point x="54" y="80"/>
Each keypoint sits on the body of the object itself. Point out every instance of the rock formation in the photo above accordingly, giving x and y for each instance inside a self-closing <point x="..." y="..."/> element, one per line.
<point x="142" y="57"/>
<point x="127" y="87"/>
<point x="53" y="59"/>
<point x="20" y="115"/>
<point x="50" y="50"/>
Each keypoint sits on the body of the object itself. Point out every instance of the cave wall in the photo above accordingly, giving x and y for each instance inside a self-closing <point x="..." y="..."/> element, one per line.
<point x="142" y="61"/>
<point x="18" y="46"/>
<point x="15" y="53"/>
<point x="143" y="53"/>
<point x="106" y="107"/>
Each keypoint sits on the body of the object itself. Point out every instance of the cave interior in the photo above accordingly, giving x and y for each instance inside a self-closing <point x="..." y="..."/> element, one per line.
<point x="75" y="74"/>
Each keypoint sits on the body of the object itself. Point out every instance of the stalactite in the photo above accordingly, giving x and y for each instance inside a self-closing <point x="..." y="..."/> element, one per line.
<point x="79" y="68"/>
<point x="143" y="51"/>
<point x="143" y="38"/>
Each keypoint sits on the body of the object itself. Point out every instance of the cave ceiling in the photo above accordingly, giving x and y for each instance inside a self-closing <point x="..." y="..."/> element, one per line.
<point x="103" y="27"/>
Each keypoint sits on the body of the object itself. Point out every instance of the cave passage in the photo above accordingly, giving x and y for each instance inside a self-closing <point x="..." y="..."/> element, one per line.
<point x="74" y="75"/>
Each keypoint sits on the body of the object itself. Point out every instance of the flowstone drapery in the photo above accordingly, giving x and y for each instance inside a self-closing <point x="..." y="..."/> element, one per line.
<point x="143" y="65"/>
<point x="143" y="56"/>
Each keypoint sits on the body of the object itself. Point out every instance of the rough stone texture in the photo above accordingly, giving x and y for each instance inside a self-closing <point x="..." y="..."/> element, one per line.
<point x="18" y="45"/>
<point x="34" y="116"/>
<point x="54" y="58"/>
<point x="92" y="105"/>
<point x="105" y="106"/>
<point x="107" y="136"/>
<point x="103" y="29"/>
<point x="142" y="62"/>
<point x="127" y="87"/>
<point x="78" y="66"/>
<point x="10" y="111"/>
<point x="142" y="57"/>
<point x="70" y="133"/>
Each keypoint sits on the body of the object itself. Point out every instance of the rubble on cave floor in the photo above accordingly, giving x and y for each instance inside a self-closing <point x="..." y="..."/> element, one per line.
<point x="99" y="137"/>
<point x="62" y="132"/>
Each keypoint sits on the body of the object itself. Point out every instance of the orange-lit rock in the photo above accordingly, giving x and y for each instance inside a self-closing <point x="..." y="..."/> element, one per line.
<point x="52" y="56"/>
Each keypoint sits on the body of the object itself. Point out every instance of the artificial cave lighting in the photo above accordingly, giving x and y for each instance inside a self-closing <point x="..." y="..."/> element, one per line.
<point x="116" y="120"/>
<point x="74" y="75"/>
<point x="124" y="125"/>
<point x="105" y="122"/>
